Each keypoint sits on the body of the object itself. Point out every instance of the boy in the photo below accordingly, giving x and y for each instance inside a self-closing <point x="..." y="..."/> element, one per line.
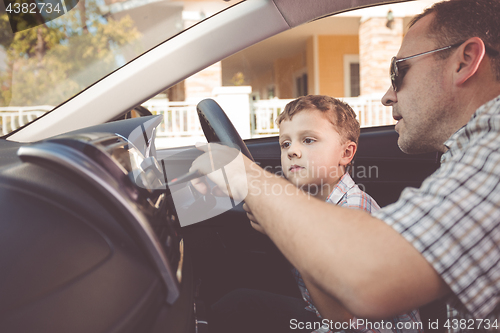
<point x="318" y="140"/>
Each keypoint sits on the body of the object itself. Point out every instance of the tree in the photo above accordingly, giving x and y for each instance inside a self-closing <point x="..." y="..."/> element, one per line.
<point x="50" y="63"/>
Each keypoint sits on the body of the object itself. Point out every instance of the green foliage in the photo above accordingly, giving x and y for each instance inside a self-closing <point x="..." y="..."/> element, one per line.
<point x="52" y="62"/>
<point x="238" y="79"/>
<point x="5" y="31"/>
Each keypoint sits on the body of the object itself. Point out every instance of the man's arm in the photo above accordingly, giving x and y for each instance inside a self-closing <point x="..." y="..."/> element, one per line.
<point x="357" y="259"/>
<point x="327" y="306"/>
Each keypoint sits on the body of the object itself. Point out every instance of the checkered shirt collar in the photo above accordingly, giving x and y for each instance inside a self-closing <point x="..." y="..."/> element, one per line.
<point x="344" y="184"/>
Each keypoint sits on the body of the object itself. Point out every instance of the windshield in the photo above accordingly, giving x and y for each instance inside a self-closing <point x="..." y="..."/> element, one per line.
<point x="52" y="50"/>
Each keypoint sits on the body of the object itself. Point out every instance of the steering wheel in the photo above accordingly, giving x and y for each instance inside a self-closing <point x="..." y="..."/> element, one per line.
<point x="218" y="128"/>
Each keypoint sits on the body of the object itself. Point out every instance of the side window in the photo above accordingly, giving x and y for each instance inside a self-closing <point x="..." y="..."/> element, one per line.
<point x="301" y="83"/>
<point x="345" y="56"/>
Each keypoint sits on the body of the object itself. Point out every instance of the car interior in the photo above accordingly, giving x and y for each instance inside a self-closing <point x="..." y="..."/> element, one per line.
<point x="90" y="237"/>
<point x="89" y="244"/>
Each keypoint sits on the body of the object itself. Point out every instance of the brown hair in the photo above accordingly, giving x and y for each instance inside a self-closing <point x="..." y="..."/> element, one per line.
<point x="456" y="21"/>
<point x="341" y="115"/>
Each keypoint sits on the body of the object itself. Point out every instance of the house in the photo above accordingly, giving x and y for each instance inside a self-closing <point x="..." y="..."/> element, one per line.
<point x="346" y="56"/>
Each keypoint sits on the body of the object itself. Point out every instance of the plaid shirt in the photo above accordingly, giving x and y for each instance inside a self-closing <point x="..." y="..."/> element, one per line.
<point x="453" y="219"/>
<point x="347" y="194"/>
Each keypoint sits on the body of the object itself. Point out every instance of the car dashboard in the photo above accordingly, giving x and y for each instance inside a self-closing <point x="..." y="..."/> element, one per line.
<point x="89" y="237"/>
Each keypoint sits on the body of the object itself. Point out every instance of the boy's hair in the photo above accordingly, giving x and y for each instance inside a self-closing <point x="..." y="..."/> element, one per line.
<point x="456" y="21"/>
<point x="341" y="115"/>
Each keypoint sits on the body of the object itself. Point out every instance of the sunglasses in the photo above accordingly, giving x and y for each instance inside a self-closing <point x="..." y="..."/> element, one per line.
<point x="396" y="80"/>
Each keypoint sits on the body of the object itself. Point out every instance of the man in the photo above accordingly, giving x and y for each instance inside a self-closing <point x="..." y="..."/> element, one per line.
<point x="442" y="240"/>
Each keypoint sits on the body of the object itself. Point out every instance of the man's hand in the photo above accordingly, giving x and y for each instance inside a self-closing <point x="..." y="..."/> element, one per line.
<point x="223" y="165"/>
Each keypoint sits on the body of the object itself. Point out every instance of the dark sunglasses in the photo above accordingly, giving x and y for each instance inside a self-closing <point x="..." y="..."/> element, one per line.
<point x="394" y="71"/>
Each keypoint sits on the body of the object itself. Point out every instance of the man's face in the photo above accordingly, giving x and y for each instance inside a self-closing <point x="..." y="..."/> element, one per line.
<point x="422" y="105"/>
<point x="311" y="151"/>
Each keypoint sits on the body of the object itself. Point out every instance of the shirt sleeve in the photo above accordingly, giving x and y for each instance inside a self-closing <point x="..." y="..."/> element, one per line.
<point x="453" y="220"/>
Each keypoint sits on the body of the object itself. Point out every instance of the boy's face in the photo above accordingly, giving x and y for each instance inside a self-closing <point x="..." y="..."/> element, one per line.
<point x="312" y="152"/>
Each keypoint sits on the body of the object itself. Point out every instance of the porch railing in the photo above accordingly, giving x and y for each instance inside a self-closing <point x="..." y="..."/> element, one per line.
<point x="180" y="120"/>
<point x="13" y="117"/>
<point x="369" y="112"/>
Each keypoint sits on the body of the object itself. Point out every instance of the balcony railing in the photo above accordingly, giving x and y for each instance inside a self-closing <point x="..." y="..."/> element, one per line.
<point x="180" y="123"/>
<point x="179" y="118"/>
<point x="369" y="112"/>
<point x="13" y="117"/>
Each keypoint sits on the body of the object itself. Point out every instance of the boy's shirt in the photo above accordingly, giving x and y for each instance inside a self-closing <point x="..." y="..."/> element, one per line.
<point x="347" y="194"/>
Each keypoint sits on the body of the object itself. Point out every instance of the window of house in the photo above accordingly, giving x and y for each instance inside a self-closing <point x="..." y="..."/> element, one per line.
<point x="301" y="83"/>
<point x="354" y="84"/>
<point x="351" y="75"/>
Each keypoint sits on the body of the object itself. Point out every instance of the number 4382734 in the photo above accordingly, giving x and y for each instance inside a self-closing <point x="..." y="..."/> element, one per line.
<point x="471" y="324"/>
<point x="32" y="8"/>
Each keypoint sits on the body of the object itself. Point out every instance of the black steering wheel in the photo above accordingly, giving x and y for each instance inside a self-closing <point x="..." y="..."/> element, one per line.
<point x="218" y="128"/>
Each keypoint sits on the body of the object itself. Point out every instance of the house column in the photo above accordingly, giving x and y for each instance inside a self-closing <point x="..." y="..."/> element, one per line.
<point x="378" y="43"/>
<point x="235" y="101"/>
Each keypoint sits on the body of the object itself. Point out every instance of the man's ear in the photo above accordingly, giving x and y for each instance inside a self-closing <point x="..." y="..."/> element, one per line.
<point x="470" y="55"/>
<point x="348" y="153"/>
